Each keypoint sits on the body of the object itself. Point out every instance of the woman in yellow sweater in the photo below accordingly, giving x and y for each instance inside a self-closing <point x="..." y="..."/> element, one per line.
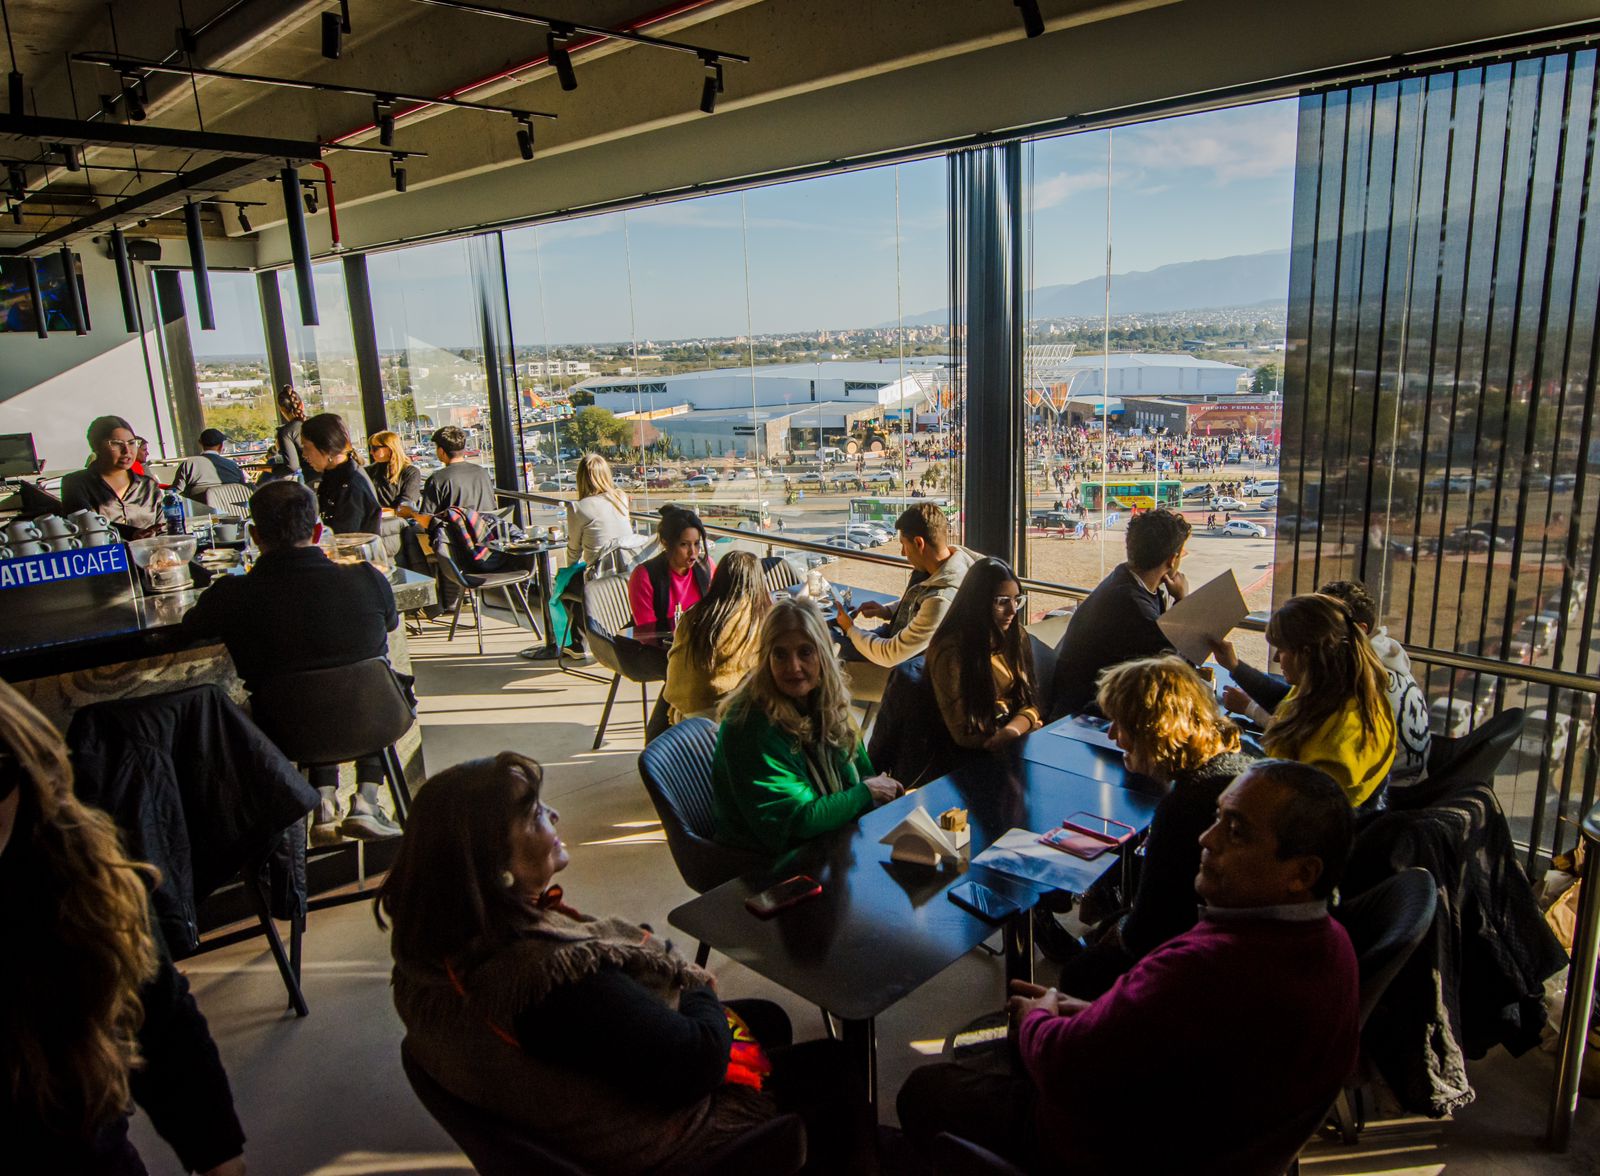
<point x="1336" y="715"/>
<point x="718" y="641"/>
<point x="981" y="663"/>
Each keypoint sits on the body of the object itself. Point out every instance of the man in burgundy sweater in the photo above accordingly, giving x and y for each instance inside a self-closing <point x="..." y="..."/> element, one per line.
<point x="1221" y="1050"/>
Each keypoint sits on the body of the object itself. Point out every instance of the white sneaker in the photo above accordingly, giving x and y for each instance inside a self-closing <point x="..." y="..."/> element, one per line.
<point x="325" y="823"/>
<point x="368" y="822"/>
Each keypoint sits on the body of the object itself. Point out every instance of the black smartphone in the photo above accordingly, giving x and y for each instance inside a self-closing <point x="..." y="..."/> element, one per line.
<point x="983" y="902"/>
<point x="782" y="896"/>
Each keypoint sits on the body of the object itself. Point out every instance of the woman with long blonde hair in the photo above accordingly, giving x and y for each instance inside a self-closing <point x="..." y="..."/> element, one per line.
<point x="789" y="762"/>
<point x="597" y="524"/>
<point x="718" y="641"/>
<point x="395" y="477"/>
<point x="1171" y="731"/>
<point x="1336" y="715"/>
<point x="93" y="1015"/>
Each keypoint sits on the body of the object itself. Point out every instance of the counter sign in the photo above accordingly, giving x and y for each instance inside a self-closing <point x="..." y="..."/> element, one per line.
<point x="57" y="566"/>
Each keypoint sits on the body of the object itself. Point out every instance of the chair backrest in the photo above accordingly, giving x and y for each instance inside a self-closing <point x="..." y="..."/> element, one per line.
<point x="335" y="715"/>
<point x="954" y="1156"/>
<point x="1473" y="758"/>
<point x="605" y="603"/>
<point x="495" y="1147"/>
<point x="1386" y="923"/>
<point x="228" y="497"/>
<point x="779" y="573"/>
<point x="676" y="769"/>
<point x="449" y="570"/>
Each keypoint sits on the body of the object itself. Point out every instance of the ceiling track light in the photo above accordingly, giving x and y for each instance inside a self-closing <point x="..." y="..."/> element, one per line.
<point x="16" y="92"/>
<point x="398" y="171"/>
<point x="308" y="192"/>
<point x="244" y="219"/>
<point x="556" y="49"/>
<point x="71" y="156"/>
<point x="16" y="213"/>
<point x="332" y="36"/>
<point x="1032" y="21"/>
<point x="525" y="137"/>
<point x="133" y="96"/>
<point x="713" y="83"/>
<point x="17" y="178"/>
<point x="383" y="117"/>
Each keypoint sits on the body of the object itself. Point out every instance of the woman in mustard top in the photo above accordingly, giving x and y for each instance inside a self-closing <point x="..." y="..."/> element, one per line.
<point x="981" y="662"/>
<point x="1336" y="715"/>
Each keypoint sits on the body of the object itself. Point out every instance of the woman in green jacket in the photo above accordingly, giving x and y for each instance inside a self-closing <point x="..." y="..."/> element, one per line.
<point x="789" y="762"/>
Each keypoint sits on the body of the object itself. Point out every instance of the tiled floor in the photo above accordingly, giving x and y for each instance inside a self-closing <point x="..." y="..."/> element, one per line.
<point x="325" y="1095"/>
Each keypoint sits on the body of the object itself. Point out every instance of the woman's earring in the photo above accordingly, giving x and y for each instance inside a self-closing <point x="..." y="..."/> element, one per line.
<point x="507" y="879"/>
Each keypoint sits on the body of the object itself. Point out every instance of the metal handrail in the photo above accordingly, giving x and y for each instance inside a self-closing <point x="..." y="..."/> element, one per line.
<point x="1471" y="663"/>
<point x="1580" y="991"/>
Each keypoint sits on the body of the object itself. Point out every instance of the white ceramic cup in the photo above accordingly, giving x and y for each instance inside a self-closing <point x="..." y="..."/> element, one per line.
<point x="97" y="538"/>
<point x="87" y="520"/>
<point x="22" y="531"/>
<point x="227" y="529"/>
<point x="6" y="552"/>
<point x="55" y="527"/>
<point x="28" y="547"/>
<point x="63" y="543"/>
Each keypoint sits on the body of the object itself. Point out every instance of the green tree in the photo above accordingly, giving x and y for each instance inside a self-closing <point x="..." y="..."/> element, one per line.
<point x="580" y="397"/>
<point x="596" y="428"/>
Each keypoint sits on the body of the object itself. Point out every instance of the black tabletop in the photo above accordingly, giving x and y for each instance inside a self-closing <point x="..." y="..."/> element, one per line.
<point x="880" y="929"/>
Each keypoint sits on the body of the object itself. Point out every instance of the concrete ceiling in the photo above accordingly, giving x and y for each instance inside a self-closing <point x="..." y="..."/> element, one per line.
<point x="828" y="79"/>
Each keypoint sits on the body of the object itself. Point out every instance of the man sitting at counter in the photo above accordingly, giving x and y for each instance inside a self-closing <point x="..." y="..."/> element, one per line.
<point x="109" y="486"/>
<point x="208" y="468"/>
<point x="298" y="610"/>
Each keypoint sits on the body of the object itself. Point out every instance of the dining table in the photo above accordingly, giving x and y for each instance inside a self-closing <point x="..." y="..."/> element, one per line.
<point x="541" y="551"/>
<point x="879" y="928"/>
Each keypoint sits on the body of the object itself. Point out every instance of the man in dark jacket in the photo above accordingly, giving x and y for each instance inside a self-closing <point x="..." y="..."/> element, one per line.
<point x="297" y="610"/>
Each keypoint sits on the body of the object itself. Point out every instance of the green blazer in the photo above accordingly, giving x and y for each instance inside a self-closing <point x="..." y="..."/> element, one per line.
<point x="763" y="797"/>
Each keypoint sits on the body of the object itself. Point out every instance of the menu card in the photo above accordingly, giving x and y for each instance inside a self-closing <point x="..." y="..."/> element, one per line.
<point x="1207" y="614"/>
<point x="1020" y="855"/>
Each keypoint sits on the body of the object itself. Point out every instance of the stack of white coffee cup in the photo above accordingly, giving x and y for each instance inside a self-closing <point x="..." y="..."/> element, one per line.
<point x="82" y="528"/>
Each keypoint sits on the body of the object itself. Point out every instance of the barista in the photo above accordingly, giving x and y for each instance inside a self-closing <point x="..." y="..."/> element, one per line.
<point x="109" y="486"/>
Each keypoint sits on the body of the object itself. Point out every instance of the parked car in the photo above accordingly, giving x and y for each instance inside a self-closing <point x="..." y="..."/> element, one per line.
<point x="889" y="476"/>
<point x="1051" y="518"/>
<point x="1454" y="717"/>
<point x="809" y="478"/>
<point x="1201" y="491"/>
<point x="1225" y="502"/>
<point x="1261" y="489"/>
<point x="700" y="482"/>
<point x="844" y="542"/>
<point x="1270" y="502"/>
<point x="1540" y="629"/>
<point x="1539" y="732"/>
<point x="866" y="535"/>
<point x="1242" y="529"/>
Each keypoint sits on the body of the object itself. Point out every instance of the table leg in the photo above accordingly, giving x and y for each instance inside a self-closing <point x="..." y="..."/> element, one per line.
<point x="1019" y="947"/>
<point x="861" y="1040"/>
<point x="551" y="649"/>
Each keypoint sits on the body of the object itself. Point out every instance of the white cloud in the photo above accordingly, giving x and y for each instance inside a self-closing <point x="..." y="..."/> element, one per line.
<point x="1247" y="143"/>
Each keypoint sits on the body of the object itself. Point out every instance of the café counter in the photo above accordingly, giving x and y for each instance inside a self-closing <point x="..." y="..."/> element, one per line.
<point x="132" y="645"/>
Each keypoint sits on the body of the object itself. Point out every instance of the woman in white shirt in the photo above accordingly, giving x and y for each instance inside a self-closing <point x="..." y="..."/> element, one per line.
<point x="597" y="523"/>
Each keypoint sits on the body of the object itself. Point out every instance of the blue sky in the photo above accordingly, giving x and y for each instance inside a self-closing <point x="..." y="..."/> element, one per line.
<point x="838" y="251"/>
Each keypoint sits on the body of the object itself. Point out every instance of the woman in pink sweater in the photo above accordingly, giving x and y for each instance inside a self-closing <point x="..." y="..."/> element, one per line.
<point x="662" y="588"/>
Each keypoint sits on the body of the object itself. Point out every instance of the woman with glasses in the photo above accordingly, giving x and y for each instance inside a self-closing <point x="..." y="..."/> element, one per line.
<point x="397" y="481"/>
<point x="109" y="486"/>
<point x="981" y="663"/>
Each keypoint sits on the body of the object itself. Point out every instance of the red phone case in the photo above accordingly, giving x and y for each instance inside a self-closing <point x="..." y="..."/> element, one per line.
<point x="1123" y="833"/>
<point x="1077" y="843"/>
<point x="762" y="905"/>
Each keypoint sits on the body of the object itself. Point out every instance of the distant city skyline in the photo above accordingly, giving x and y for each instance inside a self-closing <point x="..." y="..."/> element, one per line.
<point x="820" y="254"/>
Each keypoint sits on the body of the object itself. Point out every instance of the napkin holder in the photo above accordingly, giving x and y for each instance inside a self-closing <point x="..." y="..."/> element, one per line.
<point x="919" y="839"/>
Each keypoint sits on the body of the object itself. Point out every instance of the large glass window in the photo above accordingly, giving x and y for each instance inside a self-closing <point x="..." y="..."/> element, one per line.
<point x="430" y="346"/>
<point x="1153" y="362"/>
<point x="230" y="363"/>
<point x="323" y="357"/>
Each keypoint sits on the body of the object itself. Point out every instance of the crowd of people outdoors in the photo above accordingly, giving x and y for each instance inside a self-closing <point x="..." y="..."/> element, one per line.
<point x="590" y="1033"/>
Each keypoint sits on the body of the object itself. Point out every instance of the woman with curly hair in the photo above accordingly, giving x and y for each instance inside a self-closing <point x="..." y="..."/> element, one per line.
<point x="98" y="1018"/>
<point x="789" y="763"/>
<point x="1171" y="730"/>
<point x="292" y="412"/>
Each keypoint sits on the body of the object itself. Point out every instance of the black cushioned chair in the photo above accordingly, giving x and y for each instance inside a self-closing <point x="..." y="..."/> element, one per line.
<point x="1474" y="757"/>
<point x="676" y="769"/>
<point x="954" y="1156"/>
<point x="606" y="612"/>
<point x="498" y="1148"/>
<point x="303" y="715"/>
<point x="468" y="585"/>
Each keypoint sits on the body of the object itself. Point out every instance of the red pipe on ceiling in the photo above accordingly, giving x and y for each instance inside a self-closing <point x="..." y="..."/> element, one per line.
<point x="638" y="24"/>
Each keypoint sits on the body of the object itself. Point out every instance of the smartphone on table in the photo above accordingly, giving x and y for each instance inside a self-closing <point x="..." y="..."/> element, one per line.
<point x="1101" y="828"/>
<point x="988" y="905"/>
<point x="782" y="896"/>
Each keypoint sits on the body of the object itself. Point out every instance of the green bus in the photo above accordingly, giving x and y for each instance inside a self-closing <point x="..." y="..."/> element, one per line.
<point x="1133" y="495"/>
<point x="887" y="510"/>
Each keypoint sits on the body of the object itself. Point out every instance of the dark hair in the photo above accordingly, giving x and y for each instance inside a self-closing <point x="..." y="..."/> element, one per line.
<point x="290" y="406"/>
<point x="971" y="615"/>
<point x="101" y="428"/>
<point x="328" y="432"/>
<point x="925" y="521"/>
<point x="1314" y="819"/>
<point x="675" y="520"/>
<point x="1356" y="598"/>
<point x="1154" y="537"/>
<point x="737" y="580"/>
<point x="213" y="439"/>
<point x="445" y="893"/>
<point x="285" y="514"/>
<point x="1339" y="666"/>
<point x="450" y="439"/>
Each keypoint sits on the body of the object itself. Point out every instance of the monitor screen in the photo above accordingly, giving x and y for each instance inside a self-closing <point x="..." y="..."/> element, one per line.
<point x="16" y="307"/>
<point x="17" y="455"/>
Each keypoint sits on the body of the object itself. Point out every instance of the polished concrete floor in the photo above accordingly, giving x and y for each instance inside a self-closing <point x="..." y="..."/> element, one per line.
<point x="325" y="1094"/>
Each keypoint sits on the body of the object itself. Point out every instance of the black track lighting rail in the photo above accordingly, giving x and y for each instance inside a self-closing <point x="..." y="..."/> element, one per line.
<point x="133" y="64"/>
<point x="562" y="27"/>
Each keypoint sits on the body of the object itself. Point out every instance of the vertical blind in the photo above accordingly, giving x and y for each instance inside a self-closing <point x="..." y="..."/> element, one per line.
<point x="1439" y="441"/>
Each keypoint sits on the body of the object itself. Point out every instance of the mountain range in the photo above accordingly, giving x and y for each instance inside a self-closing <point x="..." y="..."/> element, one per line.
<point x="1246" y="279"/>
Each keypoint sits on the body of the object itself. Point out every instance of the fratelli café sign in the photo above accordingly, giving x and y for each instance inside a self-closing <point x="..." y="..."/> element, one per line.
<point x="60" y="566"/>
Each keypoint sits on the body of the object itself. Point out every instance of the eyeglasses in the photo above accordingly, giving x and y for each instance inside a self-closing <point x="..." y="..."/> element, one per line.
<point x="1018" y="602"/>
<point x="127" y="445"/>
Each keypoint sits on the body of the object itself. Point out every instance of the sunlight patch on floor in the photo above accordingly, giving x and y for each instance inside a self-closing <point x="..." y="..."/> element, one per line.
<point x="391" y="1164"/>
